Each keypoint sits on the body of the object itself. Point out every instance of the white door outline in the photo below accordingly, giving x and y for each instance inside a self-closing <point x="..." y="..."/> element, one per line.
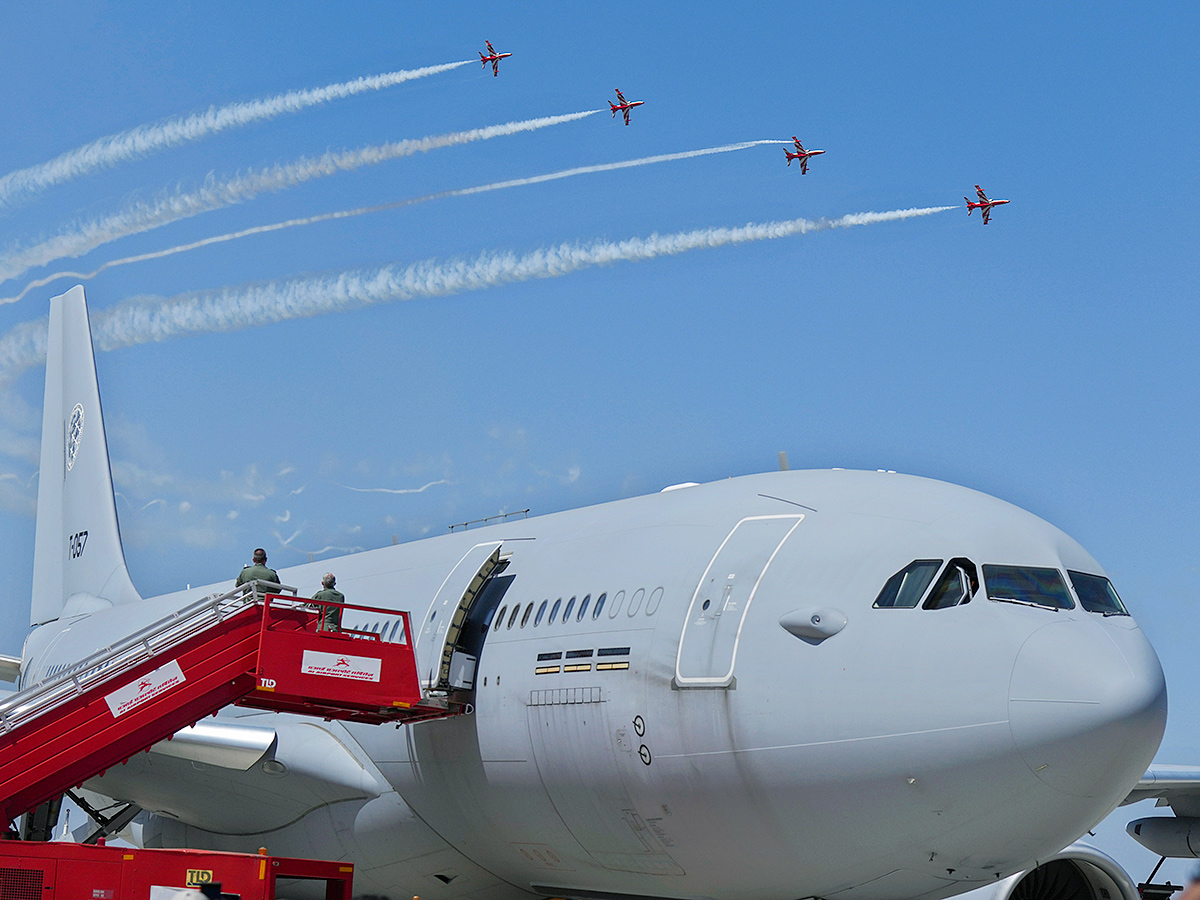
<point x="690" y="620"/>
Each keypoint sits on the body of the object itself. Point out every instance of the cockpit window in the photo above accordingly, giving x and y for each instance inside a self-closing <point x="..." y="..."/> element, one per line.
<point x="958" y="584"/>
<point x="1032" y="585"/>
<point x="906" y="587"/>
<point x="1096" y="594"/>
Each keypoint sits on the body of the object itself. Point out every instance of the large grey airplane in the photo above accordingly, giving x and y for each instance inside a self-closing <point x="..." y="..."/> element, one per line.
<point x="834" y="684"/>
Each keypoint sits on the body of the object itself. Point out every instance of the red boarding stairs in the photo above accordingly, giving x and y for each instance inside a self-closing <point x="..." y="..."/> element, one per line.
<point x="246" y="647"/>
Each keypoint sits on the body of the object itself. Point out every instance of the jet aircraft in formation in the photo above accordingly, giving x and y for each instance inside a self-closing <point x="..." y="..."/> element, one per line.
<point x="800" y="154"/>
<point x="623" y="106"/>
<point x="984" y="204"/>
<point x="492" y="57"/>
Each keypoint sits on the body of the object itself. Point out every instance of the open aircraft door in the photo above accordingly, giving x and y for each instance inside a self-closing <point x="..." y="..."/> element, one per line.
<point x="709" y="641"/>
<point x="445" y="666"/>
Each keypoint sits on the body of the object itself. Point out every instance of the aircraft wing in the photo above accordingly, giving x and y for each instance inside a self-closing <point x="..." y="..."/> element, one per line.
<point x="982" y="195"/>
<point x="1174" y="786"/>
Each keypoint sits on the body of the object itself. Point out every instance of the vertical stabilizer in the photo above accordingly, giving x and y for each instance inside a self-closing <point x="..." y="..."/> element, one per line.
<point x="78" y="564"/>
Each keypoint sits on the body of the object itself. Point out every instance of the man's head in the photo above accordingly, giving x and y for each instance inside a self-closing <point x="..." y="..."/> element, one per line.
<point x="327" y="580"/>
<point x="260" y="556"/>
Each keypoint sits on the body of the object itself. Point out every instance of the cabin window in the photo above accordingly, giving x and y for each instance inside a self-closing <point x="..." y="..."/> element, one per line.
<point x="512" y="617"/>
<point x="528" y="613"/>
<point x="500" y="618"/>
<point x="1096" y="594"/>
<point x="1031" y="585"/>
<point x="583" y="607"/>
<point x="906" y="588"/>
<point x="567" y="611"/>
<point x="541" y="612"/>
<point x="615" y="609"/>
<point x="655" y="599"/>
<point x="554" y="610"/>
<point x="599" y="605"/>
<point x="635" y="602"/>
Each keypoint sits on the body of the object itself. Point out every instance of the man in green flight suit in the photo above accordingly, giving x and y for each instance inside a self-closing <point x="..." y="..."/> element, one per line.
<point x="331" y="616"/>
<point x="257" y="570"/>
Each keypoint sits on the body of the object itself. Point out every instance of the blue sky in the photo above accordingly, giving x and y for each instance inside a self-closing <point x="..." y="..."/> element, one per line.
<point x="1047" y="359"/>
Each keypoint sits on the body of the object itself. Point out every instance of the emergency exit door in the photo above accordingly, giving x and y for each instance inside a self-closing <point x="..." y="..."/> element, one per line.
<point x="709" y="641"/>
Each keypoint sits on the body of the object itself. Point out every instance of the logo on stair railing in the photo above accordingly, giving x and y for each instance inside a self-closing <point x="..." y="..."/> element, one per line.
<point x="340" y="665"/>
<point x="149" y="686"/>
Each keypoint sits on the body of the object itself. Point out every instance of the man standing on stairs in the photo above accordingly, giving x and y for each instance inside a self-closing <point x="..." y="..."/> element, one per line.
<point x="257" y="570"/>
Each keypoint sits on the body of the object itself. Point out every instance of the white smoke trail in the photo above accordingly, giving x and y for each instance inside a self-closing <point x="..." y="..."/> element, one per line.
<point x="142" y="217"/>
<point x="144" y="140"/>
<point x="145" y="319"/>
<point x="380" y="490"/>
<point x="349" y="213"/>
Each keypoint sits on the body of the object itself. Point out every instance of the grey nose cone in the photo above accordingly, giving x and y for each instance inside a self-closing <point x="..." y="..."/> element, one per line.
<point x="1087" y="706"/>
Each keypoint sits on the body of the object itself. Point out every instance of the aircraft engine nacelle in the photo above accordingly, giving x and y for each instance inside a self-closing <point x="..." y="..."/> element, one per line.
<point x="1174" y="836"/>
<point x="1080" y="872"/>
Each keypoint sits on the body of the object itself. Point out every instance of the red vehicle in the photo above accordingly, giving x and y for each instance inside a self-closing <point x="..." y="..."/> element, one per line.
<point x="63" y="871"/>
<point x="800" y="154"/>
<point x="492" y="57"/>
<point x="623" y="106"/>
<point x="984" y="204"/>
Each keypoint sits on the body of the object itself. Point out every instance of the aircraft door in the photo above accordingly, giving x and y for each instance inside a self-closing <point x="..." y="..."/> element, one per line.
<point x="713" y="627"/>
<point x="438" y="654"/>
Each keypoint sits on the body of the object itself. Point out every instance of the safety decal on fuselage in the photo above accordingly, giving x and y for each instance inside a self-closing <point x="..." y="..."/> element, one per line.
<point x="340" y="665"/>
<point x="141" y="690"/>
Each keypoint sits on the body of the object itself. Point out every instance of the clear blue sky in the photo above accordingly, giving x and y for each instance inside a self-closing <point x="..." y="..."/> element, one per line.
<point x="1048" y="358"/>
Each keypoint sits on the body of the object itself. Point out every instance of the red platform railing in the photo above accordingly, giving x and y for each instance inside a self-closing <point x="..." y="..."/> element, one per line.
<point x="242" y="647"/>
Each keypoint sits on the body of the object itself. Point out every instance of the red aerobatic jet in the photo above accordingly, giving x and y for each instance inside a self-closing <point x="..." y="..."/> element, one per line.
<point x="800" y="154"/>
<point x="623" y="106"/>
<point x="984" y="204"/>
<point x="493" y="57"/>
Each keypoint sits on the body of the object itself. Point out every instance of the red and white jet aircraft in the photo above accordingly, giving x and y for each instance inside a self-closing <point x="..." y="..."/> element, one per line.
<point x="624" y="106"/>
<point x="493" y="57"/>
<point x="800" y="154"/>
<point x="984" y="204"/>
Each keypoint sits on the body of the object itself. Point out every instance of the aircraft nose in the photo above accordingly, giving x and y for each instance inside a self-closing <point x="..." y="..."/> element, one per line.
<point x="1087" y="705"/>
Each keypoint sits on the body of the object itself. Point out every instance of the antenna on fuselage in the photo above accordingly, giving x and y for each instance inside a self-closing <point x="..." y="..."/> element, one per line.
<point x="783" y="463"/>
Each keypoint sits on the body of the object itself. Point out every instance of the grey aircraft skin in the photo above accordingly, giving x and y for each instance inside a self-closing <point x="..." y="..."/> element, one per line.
<point x="701" y="693"/>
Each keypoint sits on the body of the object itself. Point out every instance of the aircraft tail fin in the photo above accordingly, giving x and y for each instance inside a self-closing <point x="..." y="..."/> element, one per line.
<point x="970" y="208"/>
<point x="78" y="563"/>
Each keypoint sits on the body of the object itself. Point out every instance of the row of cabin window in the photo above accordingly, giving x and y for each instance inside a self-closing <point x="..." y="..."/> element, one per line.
<point x="583" y="608"/>
<point x="508" y="618"/>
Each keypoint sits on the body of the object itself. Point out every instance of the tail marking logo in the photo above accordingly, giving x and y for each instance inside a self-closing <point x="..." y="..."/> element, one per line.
<point x="74" y="430"/>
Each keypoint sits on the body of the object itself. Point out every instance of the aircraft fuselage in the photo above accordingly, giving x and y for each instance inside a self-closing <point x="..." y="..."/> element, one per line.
<point x="735" y="719"/>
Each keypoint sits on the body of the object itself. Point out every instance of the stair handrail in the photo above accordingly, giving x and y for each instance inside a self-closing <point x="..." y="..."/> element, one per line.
<point x="145" y="643"/>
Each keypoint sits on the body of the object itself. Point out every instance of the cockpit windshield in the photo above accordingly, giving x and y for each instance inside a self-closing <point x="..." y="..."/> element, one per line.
<point x="1031" y="585"/>
<point x="907" y="587"/>
<point x="958" y="584"/>
<point x="1096" y="594"/>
